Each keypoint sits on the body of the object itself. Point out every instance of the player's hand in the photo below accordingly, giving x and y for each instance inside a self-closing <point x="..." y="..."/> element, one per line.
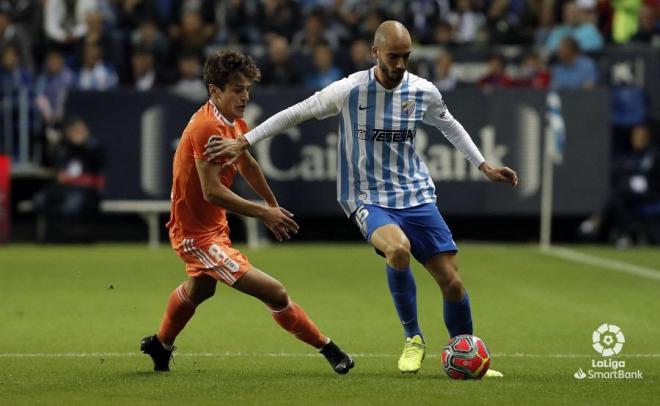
<point x="503" y="174"/>
<point x="227" y="149"/>
<point x="280" y="222"/>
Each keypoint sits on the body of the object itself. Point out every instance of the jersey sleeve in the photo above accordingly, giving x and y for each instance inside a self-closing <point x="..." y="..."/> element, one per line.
<point x="328" y="101"/>
<point x="324" y="103"/>
<point x="199" y="135"/>
<point x="439" y="117"/>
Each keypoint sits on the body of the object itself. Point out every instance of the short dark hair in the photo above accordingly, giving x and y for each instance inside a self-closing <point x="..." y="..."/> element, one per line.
<point x="225" y="66"/>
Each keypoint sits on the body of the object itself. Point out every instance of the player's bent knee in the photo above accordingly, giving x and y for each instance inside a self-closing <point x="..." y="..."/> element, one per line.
<point x="398" y="256"/>
<point x="454" y="289"/>
<point x="278" y="297"/>
<point x="200" y="289"/>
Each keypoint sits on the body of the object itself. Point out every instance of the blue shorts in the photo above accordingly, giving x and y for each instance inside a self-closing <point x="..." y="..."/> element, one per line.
<point x="423" y="225"/>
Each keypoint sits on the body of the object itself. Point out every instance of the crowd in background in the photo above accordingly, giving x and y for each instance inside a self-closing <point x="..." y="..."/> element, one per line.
<point x="53" y="46"/>
<point x="146" y="44"/>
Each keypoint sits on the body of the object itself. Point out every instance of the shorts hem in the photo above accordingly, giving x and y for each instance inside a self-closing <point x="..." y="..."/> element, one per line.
<point x="440" y="250"/>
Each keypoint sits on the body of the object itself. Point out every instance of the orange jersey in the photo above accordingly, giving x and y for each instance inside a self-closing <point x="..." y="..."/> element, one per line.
<point x="191" y="216"/>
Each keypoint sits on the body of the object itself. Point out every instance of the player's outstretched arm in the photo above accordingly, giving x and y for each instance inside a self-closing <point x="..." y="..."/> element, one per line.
<point x="277" y="219"/>
<point x="502" y="174"/>
<point x="324" y="103"/>
<point x="230" y="150"/>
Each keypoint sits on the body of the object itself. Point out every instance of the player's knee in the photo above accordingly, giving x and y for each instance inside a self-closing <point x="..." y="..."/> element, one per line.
<point x="454" y="289"/>
<point x="398" y="256"/>
<point x="199" y="295"/>
<point x="279" y="298"/>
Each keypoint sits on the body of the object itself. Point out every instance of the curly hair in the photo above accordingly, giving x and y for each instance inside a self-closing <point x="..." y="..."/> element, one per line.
<point x="225" y="66"/>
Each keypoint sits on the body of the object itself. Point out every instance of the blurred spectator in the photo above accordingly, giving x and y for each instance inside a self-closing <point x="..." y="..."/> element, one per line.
<point x="191" y="35"/>
<point x="27" y="14"/>
<point x="13" y="73"/>
<point x="94" y="73"/>
<point x="625" y="20"/>
<point x="545" y="25"/>
<point x="183" y="23"/>
<point x="496" y="75"/>
<point x="635" y="196"/>
<point x="443" y="34"/>
<point x="65" y="21"/>
<point x="445" y="78"/>
<point x="578" y="24"/>
<point x="278" y="68"/>
<point x="73" y="201"/>
<point x="349" y="14"/>
<point x="420" y="16"/>
<point x="239" y="21"/>
<point x="324" y="71"/>
<point x="573" y="70"/>
<point x="466" y="22"/>
<point x="649" y="31"/>
<point x="504" y="19"/>
<point x="96" y="34"/>
<point x="534" y="73"/>
<point x="15" y="35"/>
<point x="131" y="13"/>
<point x="312" y="35"/>
<point x="52" y="88"/>
<point x="190" y="84"/>
<point x="148" y="36"/>
<point x="369" y="24"/>
<point x="281" y="17"/>
<point x="628" y="107"/>
<point x="143" y="70"/>
<point x="360" y="57"/>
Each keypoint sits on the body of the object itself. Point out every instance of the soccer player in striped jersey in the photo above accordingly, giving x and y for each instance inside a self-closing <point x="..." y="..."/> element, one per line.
<point x="198" y="226"/>
<point x="382" y="183"/>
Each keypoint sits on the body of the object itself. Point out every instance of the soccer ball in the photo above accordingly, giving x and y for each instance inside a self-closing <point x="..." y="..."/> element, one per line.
<point x="465" y="357"/>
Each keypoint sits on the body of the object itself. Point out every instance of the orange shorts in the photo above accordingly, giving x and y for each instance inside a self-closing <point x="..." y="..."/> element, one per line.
<point x="214" y="258"/>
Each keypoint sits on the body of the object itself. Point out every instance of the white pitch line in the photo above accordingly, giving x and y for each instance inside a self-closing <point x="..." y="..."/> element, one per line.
<point x="609" y="264"/>
<point x="285" y="355"/>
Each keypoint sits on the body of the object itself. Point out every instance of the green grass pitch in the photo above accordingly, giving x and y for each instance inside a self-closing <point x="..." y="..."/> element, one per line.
<point x="67" y="337"/>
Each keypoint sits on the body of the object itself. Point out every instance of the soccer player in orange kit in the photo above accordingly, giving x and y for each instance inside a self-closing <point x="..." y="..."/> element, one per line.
<point x="198" y="227"/>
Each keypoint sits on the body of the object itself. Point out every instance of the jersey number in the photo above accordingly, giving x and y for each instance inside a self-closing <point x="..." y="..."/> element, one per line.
<point x="361" y="215"/>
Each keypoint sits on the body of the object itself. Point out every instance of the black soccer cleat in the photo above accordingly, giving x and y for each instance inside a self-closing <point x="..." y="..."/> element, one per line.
<point x="340" y="362"/>
<point x="152" y="346"/>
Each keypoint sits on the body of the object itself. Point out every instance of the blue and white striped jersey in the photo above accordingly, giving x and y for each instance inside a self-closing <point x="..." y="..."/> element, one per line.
<point x="377" y="161"/>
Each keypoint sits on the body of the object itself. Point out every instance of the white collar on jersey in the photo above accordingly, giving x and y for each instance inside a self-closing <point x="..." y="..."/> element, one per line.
<point x="219" y="115"/>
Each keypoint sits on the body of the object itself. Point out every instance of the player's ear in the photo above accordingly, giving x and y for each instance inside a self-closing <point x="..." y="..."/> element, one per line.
<point x="374" y="51"/>
<point x="214" y="90"/>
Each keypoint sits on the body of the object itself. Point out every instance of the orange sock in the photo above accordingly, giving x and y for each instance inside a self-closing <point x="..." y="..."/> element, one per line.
<point x="179" y="310"/>
<point x="294" y="320"/>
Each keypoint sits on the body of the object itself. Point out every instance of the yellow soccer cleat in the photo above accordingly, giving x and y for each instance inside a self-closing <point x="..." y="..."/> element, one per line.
<point x="413" y="355"/>
<point x="491" y="373"/>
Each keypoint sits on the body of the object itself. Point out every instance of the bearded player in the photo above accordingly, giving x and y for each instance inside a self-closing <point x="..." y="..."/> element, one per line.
<point x="198" y="227"/>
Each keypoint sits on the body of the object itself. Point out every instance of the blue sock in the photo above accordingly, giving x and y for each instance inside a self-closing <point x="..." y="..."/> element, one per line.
<point x="404" y="293"/>
<point x="458" y="317"/>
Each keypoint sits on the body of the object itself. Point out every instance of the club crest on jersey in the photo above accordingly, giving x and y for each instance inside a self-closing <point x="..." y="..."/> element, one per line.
<point x="408" y="107"/>
<point x="361" y="131"/>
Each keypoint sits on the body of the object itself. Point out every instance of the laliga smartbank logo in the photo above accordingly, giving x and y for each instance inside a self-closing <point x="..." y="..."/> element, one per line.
<point x="608" y="340"/>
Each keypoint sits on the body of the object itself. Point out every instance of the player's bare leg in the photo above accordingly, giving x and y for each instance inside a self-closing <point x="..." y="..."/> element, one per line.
<point x="458" y="319"/>
<point x="292" y="317"/>
<point x="391" y="241"/>
<point x="180" y="308"/>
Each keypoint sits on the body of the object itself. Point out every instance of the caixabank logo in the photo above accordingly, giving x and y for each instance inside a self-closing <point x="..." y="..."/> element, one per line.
<point x="608" y="341"/>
